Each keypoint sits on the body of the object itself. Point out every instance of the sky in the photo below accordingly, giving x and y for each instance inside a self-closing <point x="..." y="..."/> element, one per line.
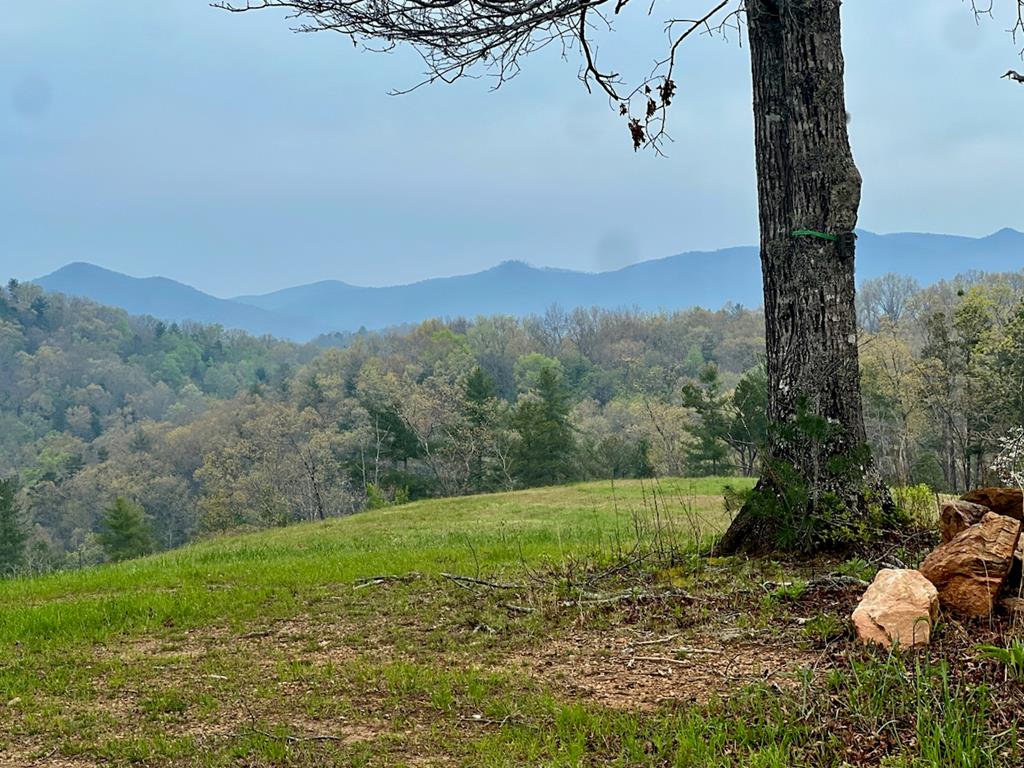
<point x="225" y="151"/>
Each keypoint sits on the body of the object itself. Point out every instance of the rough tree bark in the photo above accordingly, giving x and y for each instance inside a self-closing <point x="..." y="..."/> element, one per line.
<point x="807" y="180"/>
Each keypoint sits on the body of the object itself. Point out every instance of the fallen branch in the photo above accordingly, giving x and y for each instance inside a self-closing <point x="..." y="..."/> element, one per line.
<point x="463" y="580"/>
<point x="659" y="660"/>
<point x="385" y="579"/>
<point x="481" y="720"/>
<point x="658" y="641"/>
<point x="600" y="598"/>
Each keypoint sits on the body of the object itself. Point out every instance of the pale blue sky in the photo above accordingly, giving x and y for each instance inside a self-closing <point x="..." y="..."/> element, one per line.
<point x="224" y="151"/>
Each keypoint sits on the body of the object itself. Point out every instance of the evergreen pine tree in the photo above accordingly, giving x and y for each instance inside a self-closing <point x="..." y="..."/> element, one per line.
<point x="12" y="535"/>
<point x="480" y="387"/>
<point x="481" y="400"/>
<point x="544" y="453"/>
<point x="126" y="532"/>
<point x="709" y="455"/>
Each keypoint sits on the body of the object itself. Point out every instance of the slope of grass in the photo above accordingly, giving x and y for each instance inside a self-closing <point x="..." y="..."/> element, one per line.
<point x="588" y="631"/>
<point x="269" y="573"/>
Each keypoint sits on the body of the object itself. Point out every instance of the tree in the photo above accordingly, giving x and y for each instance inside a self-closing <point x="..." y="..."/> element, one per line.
<point x="486" y="421"/>
<point x="126" y="532"/>
<point x="480" y="390"/>
<point x="544" y="451"/>
<point x="12" y="535"/>
<point x="892" y="401"/>
<point x="708" y="456"/>
<point x="748" y="427"/>
<point x="887" y="296"/>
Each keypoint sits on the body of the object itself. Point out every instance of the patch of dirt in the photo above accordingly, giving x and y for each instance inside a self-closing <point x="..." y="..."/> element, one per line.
<point x="644" y="672"/>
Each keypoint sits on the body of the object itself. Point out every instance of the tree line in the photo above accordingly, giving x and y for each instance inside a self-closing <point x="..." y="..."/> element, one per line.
<point x="123" y="435"/>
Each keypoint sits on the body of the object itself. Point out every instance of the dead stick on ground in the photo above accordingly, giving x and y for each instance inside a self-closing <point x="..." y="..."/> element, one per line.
<point x="386" y="579"/>
<point x="481" y="720"/>
<point x="659" y="660"/>
<point x="462" y="580"/>
<point x="659" y="641"/>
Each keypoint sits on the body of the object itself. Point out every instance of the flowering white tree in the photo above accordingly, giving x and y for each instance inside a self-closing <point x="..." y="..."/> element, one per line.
<point x="1009" y="464"/>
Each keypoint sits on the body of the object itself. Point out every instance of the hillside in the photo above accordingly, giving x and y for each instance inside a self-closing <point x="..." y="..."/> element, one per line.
<point x="708" y="279"/>
<point x="552" y="627"/>
<point x="207" y="430"/>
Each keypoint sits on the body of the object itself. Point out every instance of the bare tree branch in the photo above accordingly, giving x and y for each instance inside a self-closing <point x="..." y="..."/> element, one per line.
<point x="458" y="38"/>
<point x="986" y="8"/>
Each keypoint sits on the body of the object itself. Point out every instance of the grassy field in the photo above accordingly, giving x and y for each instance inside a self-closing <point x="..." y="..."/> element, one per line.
<point x="566" y="626"/>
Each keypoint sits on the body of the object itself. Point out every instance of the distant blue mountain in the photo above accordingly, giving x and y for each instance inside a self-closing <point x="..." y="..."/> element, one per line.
<point x="709" y="279"/>
<point x="169" y="300"/>
<point x="930" y="258"/>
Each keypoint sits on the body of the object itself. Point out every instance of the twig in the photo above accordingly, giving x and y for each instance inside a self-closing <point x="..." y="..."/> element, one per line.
<point x="626" y="565"/>
<point x="481" y="720"/>
<point x="599" y="598"/>
<point x="659" y="641"/>
<point x="385" y="579"/>
<point x="462" y="580"/>
<point x="659" y="660"/>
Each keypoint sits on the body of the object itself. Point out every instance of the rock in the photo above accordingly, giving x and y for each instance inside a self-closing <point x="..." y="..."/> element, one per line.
<point x="900" y="606"/>
<point x="958" y="516"/>
<point x="1002" y="501"/>
<point x="970" y="570"/>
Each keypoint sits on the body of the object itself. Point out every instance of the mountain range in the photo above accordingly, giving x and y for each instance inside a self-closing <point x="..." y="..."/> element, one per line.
<point x="707" y="278"/>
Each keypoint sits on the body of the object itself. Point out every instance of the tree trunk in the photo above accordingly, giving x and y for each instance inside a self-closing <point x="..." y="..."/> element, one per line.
<point x="817" y="468"/>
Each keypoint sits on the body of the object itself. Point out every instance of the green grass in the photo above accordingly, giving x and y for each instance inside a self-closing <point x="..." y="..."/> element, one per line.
<point x="268" y="575"/>
<point x="268" y="649"/>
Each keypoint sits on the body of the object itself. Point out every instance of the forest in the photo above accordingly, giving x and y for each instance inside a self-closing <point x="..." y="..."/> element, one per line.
<point x="121" y="435"/>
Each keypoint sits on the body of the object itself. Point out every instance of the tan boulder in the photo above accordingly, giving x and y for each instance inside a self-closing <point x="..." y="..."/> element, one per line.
<point x="900" y="606"/>
<point x="969" y="571"/>
<point x="1002" y="501"/>
<point x="957" y="516"/>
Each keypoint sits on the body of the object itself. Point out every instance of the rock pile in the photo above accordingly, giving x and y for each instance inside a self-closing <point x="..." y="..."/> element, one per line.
<point x="981" y="553"/>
